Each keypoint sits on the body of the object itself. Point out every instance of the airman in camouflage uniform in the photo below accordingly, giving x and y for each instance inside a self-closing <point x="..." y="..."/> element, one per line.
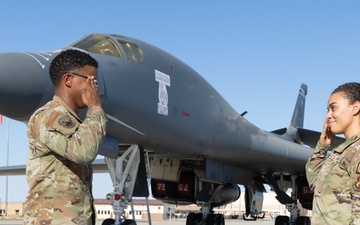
<point x="62" y="146"/>
<point x="335" y="179"/>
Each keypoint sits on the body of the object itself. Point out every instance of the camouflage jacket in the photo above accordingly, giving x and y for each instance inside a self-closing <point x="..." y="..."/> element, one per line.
<point x="335" y="181"/>
<point x="61" y="150"/>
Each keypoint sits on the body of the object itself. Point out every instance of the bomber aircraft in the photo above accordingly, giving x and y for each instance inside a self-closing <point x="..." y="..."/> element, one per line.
<point x="168" y="124"/>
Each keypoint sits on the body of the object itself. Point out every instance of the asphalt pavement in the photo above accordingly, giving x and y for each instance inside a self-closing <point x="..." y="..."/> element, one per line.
<point x="162" y="222"/>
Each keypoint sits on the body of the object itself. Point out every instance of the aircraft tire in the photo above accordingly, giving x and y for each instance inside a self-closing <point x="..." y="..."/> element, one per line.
<point x="220" y="219"/>
<point x="199" y="217"/>
<point x="211" y="219"/>
<point x="191" y="219"/>
<point x="303" y="220"/>
<point x="282" y="220"/>
<point x="129" y="222"/>
<point x="108" y="222"/>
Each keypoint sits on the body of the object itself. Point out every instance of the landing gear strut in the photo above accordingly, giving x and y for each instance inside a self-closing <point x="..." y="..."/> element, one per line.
<point x="123" y="172"/>
<point x="293" y="208"/>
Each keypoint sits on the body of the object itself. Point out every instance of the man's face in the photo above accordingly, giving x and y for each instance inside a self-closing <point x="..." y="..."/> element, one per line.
<point x="79" y="83"/>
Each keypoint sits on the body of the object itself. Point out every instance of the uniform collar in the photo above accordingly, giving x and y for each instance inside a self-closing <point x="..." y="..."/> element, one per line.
<point x="348" y="142"/>
<point x="67" y="107"/>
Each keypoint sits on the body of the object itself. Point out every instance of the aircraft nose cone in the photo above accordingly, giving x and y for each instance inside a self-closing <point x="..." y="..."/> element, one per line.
<point x="23" y="78"/>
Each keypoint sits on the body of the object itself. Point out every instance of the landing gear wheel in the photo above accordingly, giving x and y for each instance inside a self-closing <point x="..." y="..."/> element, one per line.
<point x="194" y="218"/>
<point x="129" y="222"/>
<point x="215" y="219"/>
<point x="282" y="220"/>
<point x="199" y="217"/>
<point x="220" y="219"/>
<point x="191" y="219"/>
<point x="211" y="219"/>
<point x="303" y="220"/>
<point x="108" y="222"/>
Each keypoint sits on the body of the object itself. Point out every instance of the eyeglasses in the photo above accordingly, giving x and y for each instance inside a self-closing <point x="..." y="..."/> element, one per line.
<point x="85" y="77"/>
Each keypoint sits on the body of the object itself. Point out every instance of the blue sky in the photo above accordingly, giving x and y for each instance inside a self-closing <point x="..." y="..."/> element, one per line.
<point x="255" y="53"/>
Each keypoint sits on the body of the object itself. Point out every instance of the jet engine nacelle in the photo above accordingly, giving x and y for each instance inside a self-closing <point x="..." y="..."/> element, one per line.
<point x="228" y="194"/>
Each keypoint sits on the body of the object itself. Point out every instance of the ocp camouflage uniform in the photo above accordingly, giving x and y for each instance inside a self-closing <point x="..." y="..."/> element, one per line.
<point x="335" y="181"/>
<point x="59" y="173"/>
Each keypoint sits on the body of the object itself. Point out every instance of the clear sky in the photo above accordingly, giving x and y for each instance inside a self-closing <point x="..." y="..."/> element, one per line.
<point x="255" y="53"/>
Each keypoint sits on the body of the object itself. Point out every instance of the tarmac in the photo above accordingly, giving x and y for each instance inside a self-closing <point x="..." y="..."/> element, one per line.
<point x="163" y="222"/>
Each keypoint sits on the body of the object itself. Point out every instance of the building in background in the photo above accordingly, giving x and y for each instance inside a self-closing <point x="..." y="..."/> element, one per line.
<point x="104" y="209"/>
<point x="15" y="209"/>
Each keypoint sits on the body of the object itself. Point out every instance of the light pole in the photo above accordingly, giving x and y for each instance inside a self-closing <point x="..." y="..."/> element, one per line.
<point x="7" y="164"/>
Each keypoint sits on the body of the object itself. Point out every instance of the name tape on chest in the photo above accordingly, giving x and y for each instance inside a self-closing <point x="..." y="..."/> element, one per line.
<point x="335" y="157"/>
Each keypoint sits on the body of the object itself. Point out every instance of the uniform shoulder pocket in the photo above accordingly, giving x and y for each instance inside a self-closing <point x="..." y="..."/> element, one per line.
<point x="62" y="123"/>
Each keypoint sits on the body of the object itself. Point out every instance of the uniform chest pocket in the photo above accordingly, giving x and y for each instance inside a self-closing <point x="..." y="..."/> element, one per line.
<point x="327" y="171"/>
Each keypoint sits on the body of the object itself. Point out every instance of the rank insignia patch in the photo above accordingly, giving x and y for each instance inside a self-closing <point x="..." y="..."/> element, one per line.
<point x="66" y="122"/>
<point x="356" y="185"/>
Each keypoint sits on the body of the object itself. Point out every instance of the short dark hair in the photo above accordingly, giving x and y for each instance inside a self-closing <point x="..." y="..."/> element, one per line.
<point x="351" y="91"/>
<point x="67" y="61"/>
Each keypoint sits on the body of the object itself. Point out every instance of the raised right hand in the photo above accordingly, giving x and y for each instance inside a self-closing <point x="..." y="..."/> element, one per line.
<point x="326" y="137"/>
<point x="91" y="94"/>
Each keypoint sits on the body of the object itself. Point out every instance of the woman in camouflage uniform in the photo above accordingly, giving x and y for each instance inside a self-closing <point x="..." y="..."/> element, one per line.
<point x="335" y="179"/>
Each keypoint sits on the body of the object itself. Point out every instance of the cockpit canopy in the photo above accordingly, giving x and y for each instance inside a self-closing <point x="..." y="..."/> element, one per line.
<point x="104" y="45"/>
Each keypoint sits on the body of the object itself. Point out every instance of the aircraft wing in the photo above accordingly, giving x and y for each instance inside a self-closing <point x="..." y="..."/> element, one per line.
<point x="311" y="138"/>
<point x="99" y="166"/>
<point x="12" y="170"/>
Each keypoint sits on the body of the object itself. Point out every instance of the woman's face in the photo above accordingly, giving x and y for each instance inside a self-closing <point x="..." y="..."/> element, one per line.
<point x="340" y="117"/>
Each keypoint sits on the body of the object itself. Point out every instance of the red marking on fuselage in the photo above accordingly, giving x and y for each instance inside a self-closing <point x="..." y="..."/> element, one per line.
<point x="185" y="114"/>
